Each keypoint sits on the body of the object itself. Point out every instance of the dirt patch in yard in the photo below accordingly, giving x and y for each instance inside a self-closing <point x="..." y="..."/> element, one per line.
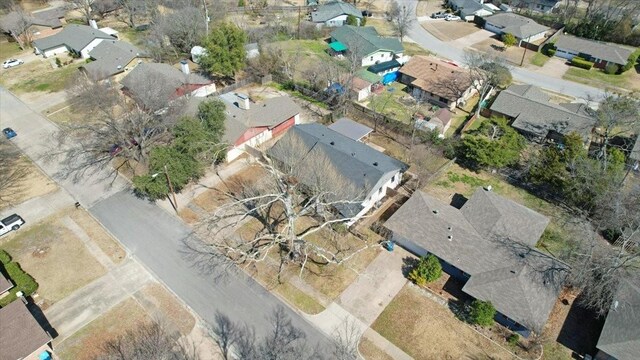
<point x="166" y="304"/>
<point x="55" y="257"/>
<point x="449" y="30"/>
<point x="34" y="184"/>
<point x="426" y="330"/>
<point x="86" y="343"/>
<point x="99" y="235"/>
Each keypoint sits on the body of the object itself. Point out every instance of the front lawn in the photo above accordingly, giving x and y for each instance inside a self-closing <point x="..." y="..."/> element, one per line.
<point x="39" y="76"/>
<point x="426" y="330"/>
<point x="539" y="59"/>
<point x="629" y="80"/>
<point x="9" y="50"/>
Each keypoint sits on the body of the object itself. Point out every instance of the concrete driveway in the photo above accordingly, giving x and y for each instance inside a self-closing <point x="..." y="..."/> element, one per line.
<point x="476" y="37"/>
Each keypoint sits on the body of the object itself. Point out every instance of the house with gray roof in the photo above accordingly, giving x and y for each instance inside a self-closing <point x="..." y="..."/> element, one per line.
<point x="599" y="52"/>
<point x="26" y="27"/>
<point x="360" y="176"/>
<point x="335" y="13"/>
<point x="112" y="57"/>
<point x="78" y="39"/>
<point x="523" y="28"/>
<point x="541" y="6"/>
<point x="469" y="9"/>
<point x="21" y="336"/>
<point x="488" y="245"/>
<point x="153" y="85"/>
<point x="351" y="129"/>
<point x="251" y="124"/>
<point x="367" y="45"/>
<point x="620" y="337"/>
<point x="532" y="114"/>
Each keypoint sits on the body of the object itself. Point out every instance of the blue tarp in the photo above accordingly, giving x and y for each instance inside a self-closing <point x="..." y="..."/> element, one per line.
<point x="44" y="355"/>
<point x="336" y="87"/>
<point x="390" y="77"/>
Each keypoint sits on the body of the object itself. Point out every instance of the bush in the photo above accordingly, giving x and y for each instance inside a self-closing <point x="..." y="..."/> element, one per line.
<point x="509" y="40"/>
<point x="549" y="49"/>
<point x="611" y="69"/>
<point x="513" y="339"/>
<point x="240" y="3"/>
<point x="581" y="63"/>
<point x="427" y="270"/>
<point x="482" y="313"/>
<point x="58" y="62"/>
<point x="5" y="258"/>
<point x="551" y="52"/>
<point x="23" y="281"/>
<point x="631" y="62"/>
<point x="352" y="20"/>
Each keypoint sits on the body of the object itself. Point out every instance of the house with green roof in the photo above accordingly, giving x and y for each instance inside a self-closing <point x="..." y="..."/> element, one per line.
<point x="368" y="46"/>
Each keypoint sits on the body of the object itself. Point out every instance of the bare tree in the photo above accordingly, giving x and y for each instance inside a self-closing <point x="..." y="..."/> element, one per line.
<point x="148" y="341"/>
<point x="227" y="335"/>
<point x="300" y="194"/>
<point x="401" y="17"/>
<point x="104" y="7"/>
<point x="132" y="10"/>
<point x="346" y="338"/>
<point x="13" y="170"/>
<point x="486" y="73"/>
<point x="183" y="27"/>
<point x="17" y="23"/>
<point x="84" y="7"/>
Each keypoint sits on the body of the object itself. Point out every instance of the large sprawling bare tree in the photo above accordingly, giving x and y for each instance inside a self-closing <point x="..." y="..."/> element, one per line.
<point x="13" y="171"/>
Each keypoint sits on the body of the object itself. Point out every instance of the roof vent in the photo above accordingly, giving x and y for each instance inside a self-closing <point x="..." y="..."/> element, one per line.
<point x="375" y="163"/>
<point x="615" y="305"/>
<point x="488" y="188"/>
<point x="435" y="211"/>
<point x="353" y="154"/>
<point x="512" y="271"/>
<point x="449" y="228"/>
<point x="332" y="143"/>
<point x="449" y="237"/>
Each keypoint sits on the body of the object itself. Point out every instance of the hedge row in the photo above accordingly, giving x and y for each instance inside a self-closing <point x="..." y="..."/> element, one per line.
<point x="581" y="63"/>
<point x="23" y="281"/>
<point x="631" y="62"/>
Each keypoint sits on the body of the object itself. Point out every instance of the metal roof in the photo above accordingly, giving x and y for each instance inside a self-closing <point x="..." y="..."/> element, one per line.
<point x="384" y="66"/>
<point x="350" y="128"/>
<point x="338" y="46"/>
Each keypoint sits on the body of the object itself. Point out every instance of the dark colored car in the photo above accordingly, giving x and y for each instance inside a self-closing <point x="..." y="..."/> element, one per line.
<point x="9" y="133"/>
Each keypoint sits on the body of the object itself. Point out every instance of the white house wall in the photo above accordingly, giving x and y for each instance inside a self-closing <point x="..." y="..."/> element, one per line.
<point x="204" y="91"/>
<point x="377" y="194"/>
<point x="85" y="52"/>
<point x="53" y="52"/>
<point x="377" y="57"/>
<point x="236" y="151"/>
<point x="336" y="21"/>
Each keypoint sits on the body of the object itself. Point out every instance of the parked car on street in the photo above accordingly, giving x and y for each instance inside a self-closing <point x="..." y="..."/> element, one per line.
<point x="10" y="223"/>
<point x="9" y="133"/>
<point x="11" y="63"/>
<point x="452" y="18"/>
<point x="439" y="15"/>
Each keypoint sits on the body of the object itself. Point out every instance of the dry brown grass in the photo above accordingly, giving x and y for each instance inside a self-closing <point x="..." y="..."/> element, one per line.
<point x="425" y="330"/>
<point x="213" y="198"/>
<point x="384" y="27"/>
<point x="449" y="30"/>
<point x="33" y="185"/>
<point x="370" y="351"/>
<point x="167" y="304"/>
<point x="86" y="343"/>
<point x="189" y="216"/>
<point x="99" y="235"/>
<point x="55" y="257"/>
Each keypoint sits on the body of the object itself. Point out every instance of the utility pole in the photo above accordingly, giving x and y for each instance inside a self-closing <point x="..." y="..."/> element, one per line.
<point x="525" y="52"/>
<point x="206" y="17"/>
<point x="299" y="9"/>
<point x="173" y="193"/>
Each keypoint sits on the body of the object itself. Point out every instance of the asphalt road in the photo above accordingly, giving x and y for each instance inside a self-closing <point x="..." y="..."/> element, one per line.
<point x="152" y="236"/>
<point x="423" y="38"/>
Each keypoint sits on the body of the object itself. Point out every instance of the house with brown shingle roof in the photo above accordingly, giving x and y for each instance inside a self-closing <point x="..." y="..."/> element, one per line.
<point x="436" y="81"/>
<point x="21" y="336"/>
<point x="488" y="245"/>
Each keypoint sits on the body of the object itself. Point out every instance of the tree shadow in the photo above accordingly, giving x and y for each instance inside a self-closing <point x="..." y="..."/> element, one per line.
<point x="581" y="329"/>
<point x="408" y="264"/>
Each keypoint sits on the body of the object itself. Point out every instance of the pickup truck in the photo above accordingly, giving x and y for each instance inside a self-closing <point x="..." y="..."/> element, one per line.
<point x="11" y="222"/>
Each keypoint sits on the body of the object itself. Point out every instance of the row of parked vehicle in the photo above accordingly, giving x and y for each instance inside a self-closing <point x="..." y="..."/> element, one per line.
<point x="445" y="15"/>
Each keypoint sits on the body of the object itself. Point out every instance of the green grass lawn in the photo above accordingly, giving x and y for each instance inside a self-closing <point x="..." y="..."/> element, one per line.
<point x="456" y="121"/>
<point x="49" y="81"/>
<point x="539" y="59"/>
<point x="598" y="78"/>
<point x="9" y="50"/>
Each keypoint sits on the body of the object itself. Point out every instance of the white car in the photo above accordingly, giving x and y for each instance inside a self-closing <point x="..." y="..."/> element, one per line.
<point x="10" y="223"/>
<point x="11" y="63"/>
<point x="452" y="18"/>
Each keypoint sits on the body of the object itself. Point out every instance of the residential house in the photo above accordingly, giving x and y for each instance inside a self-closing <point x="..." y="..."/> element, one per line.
<point x="153" y="85"/>
<point x="351" y="129"/>
<point x="21" y="337"/>
<point x="335" y="13"/>
<point x="368" y="47"/>
<point x="362" y="175"/>
<point x="469" y="9"/>
<point x="533" y="115"/>
<point x="76" y="39"/>
<point x="600" y="53"/>
<point x="620" y="337"/>
<point x="487" y="245"/>
<point x="110" y="58"/>
<point x="26" y="27"/>
<point x="523" y="28"/>
<point x="5" y="285"/>
<point x="440" y="122"/>
<point x="250" y="124"/>
<point x="437" y="81"/>
<point x="541" y="6"/>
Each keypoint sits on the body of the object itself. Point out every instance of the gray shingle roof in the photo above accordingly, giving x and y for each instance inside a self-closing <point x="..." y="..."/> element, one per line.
<point x="111" y="57"/>
<point x="363" y="167"/>
<point x="330" y="10"/>
<point x="20" y="333"/>
<point x="365" y="40"/>
<point x="517" y="25"/>
<point x="469" y="6"/>
<point x="503" y="271"/>
<point x="158" y="82"/>
<point x="50" y="18"/>
<point x="597" y="49"/>
<point x="76" y="37"/>
<point x="5" y="284"/>
<point x="533" y="113"/>
<point x="620" y="336"/>
<point x="350" y="128"/>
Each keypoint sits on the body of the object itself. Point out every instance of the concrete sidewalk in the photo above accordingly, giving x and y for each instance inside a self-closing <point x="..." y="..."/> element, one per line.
<point x="89" y="302"/>
<point x="40" y="208"/>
